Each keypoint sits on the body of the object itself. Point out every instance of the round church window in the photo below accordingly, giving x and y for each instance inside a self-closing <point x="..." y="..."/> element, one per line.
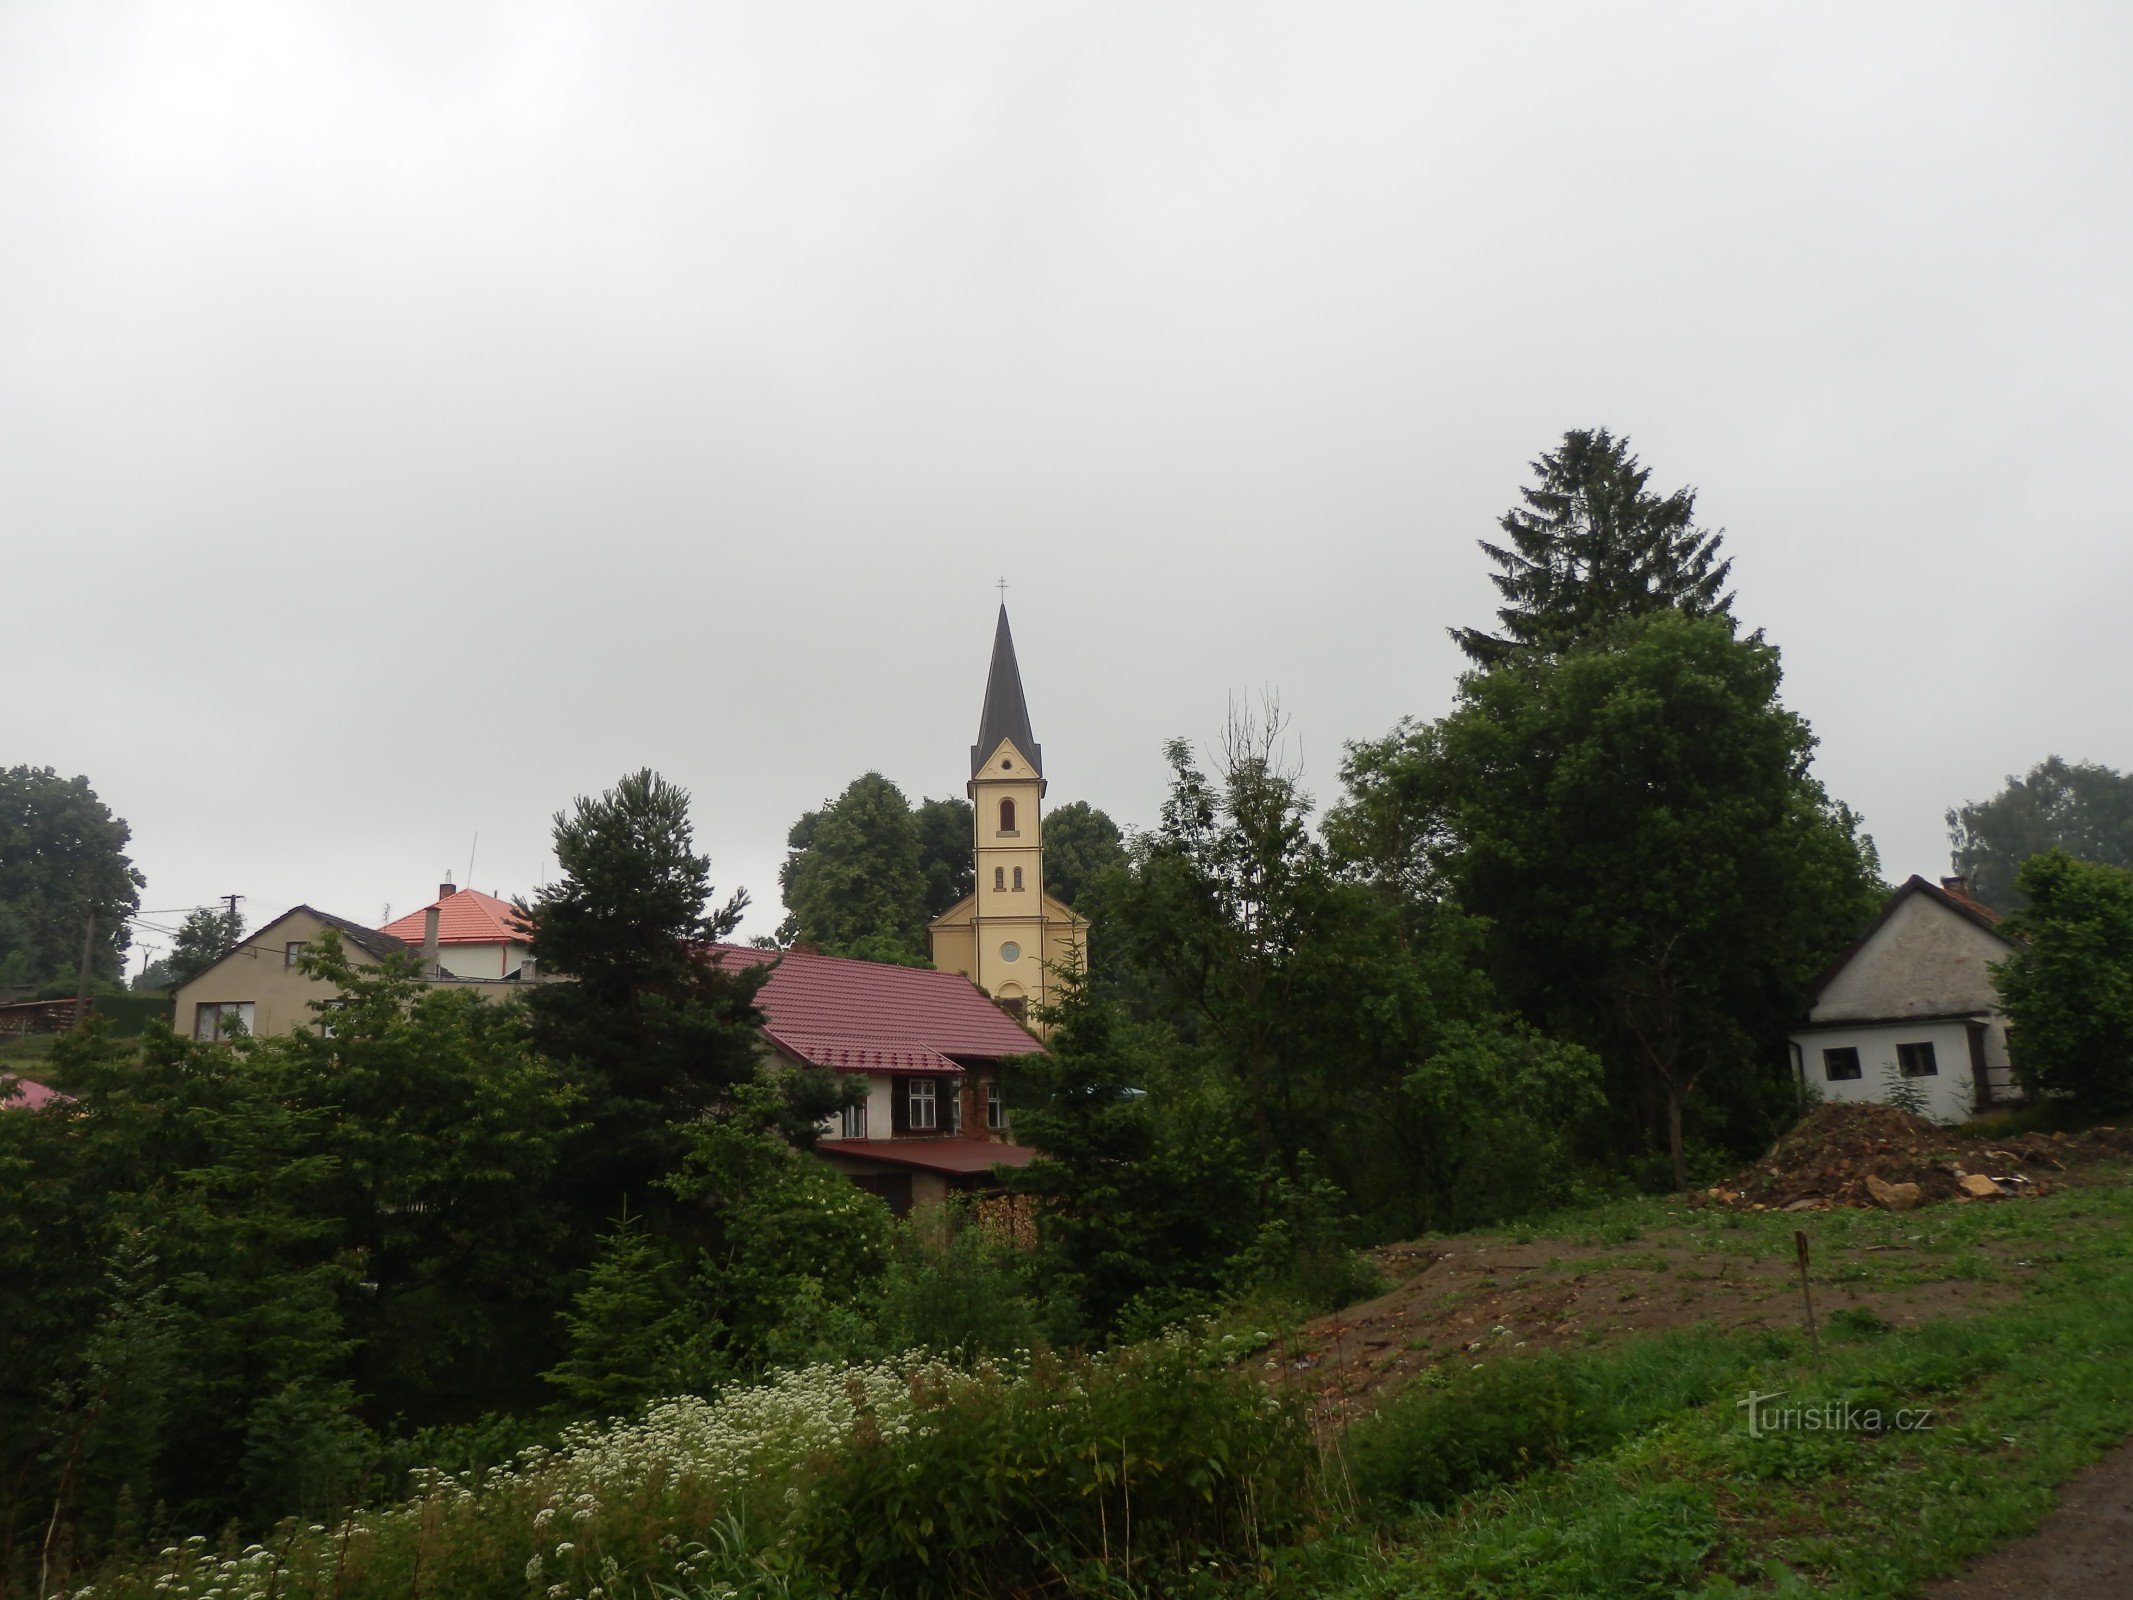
<point x="1010" y="951"/>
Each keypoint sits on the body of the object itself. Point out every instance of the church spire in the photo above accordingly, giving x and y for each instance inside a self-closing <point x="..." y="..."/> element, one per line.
<point x="1006" y="714"/>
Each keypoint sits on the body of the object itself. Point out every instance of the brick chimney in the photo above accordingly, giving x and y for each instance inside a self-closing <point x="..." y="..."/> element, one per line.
<point x="447" y="889"/>
<point x="430" y="920"/>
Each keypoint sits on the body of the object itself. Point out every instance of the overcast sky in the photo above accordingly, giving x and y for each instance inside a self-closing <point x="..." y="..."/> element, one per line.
<point x="415" y="415"/>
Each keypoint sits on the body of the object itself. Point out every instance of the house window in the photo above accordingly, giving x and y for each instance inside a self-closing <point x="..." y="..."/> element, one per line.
<point x="925" y="1104"/>
<point x="999" y="877"/>
<point x="955" y="1109"/>
<point x="995" y="1108"/>
<point x="1917" y="1061"/>
<point x="293" y="949"/>
<point x="852" y="1122"/>
<point x="217" y="1020"/>
<point x="1840" y="1064"/>
<point x="1010" y="951"/>
<point x="1018" y="877"/>
<point x="1007" y="816"/>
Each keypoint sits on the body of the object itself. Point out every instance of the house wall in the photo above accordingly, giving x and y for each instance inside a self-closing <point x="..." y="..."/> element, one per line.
<point x="257" y="971"/>
<point x="1926" y="960"/>
<point x="481" y="960"/>
<point x="1951" y="1093"/>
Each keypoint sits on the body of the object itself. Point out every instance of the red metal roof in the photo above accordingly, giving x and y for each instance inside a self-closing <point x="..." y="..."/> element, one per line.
<point x="26" y="1094"/>
<point x="933" y="1155"/>
<point x="869" y="1016"/>
<point x="467" y="917"/>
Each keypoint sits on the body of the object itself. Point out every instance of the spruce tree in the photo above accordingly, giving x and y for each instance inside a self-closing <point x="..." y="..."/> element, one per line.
<point x="658" y="1033"/>
<point x="1593" y="546"/>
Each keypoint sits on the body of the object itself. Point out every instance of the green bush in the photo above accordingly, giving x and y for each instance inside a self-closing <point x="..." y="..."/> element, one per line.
<point x="1140" y="1466"/>
<point x="1488" y="1424"/>
<point x="1494" y="1423"/>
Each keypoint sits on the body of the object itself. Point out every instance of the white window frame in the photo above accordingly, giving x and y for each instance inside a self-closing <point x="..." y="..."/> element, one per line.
<point x="995" y="1107"/>
<point x="852" y="1120"/>
<point x="292" y="950"/>
<point x="924" y="1114"/>
<point x="208" y="1018"/>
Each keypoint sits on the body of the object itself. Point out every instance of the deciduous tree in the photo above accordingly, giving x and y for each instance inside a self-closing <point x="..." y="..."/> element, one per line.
<point x="1080" y="844"/>
<point x="2068" y="990"/>
<point x="63" y="871"/>
<point x="1637" y="822"/>
<point x="2079" y="807"/>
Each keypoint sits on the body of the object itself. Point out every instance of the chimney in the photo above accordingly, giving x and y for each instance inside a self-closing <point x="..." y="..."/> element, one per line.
<point x="430" y="919"/>
<point x="1959" y="887"/>
<point x="446" y="889"/>
<point x="528" y="971"/>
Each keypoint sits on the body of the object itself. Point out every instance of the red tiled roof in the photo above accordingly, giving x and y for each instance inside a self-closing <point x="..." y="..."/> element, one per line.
<point x="468" y="917"/>
<point x="870" y="1016"/>
<point x="933" y="1155"/>
<point x="26" y="1094"/>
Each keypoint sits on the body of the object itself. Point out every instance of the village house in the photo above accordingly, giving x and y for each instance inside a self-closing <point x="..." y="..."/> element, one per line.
<point x="478" y="935"/>
<point x="257" y="987"/>
<point x="932" y="1052"/>
<point x="1912" y="1003"/>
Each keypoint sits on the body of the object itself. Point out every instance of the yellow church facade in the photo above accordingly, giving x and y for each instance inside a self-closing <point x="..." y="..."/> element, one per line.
<point x="1008" y="936"/>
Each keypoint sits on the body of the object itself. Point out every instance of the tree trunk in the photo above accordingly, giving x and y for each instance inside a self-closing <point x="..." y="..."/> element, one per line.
<point x="1673" y="1136"/>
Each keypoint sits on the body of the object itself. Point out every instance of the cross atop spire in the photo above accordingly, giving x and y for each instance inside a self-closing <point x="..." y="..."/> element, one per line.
<point x="1006" y="713"/>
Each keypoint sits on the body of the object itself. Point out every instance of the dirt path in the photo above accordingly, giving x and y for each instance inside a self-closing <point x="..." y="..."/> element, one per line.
<point x="2083" y="1550"/>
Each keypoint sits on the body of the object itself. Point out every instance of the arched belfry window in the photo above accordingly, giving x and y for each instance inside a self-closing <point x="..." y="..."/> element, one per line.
<point x="1007" y="816"/>
<point x="1018" y="877"/>
<point x="999" y="877"/>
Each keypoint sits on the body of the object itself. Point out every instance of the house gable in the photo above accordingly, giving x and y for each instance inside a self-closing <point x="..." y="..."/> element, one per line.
<point x="1929" y="955"/>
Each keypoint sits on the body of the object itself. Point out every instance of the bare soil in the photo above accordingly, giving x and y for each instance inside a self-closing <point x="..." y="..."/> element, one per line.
<point x="1471" y="1298"/>
<point x="1829" y="1158"/>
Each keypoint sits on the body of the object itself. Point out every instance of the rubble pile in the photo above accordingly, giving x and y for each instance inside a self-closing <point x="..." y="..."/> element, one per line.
<point x="1866" y="1154"/>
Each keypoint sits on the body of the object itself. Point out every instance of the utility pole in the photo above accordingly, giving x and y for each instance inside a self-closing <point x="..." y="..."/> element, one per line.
<point x="231" y="900"/>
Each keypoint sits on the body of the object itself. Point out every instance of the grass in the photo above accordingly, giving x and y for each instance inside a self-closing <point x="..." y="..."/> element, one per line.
<point x="1639" y="1476"/>
<point x="1618" y="1466"/>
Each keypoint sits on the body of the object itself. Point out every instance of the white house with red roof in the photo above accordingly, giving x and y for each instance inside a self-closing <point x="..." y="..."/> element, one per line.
<point x="933" y="1050"/>
<point x="478" y="935"/>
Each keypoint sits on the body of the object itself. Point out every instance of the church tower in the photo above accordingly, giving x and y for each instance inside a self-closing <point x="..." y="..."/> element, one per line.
<point x="1009" y="936"/>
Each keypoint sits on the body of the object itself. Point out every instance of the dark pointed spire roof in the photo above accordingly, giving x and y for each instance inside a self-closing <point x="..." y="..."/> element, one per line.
<point x="1006" y="714"/>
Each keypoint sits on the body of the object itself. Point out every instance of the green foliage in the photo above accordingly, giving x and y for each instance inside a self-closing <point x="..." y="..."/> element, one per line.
<point x="947" y="833"/>
<point x="766" y="1223"/>
<point x="1498" y="1106"/>
<point x="854" y="883"/>
<point x="2068" y="990"/>
<point x="1081" y="843"/>
<point x="625" y="1328"/>
<point x="1592" y="547"/>
<point x="659" y="1034"/>
<point x="1300" y="1258"/>
<point x="207" y="934"/>
<point x="1905" y="1094"/>
<point x="1487" y="1424"/>
<point x="1141" y="1467"/>
<point x="1142" y="1186"/>
<point x="951" y="1287"/>
<point x="1664" y="877"/>
<point x="63" y="861"/>
<point x="2082" y="808"/>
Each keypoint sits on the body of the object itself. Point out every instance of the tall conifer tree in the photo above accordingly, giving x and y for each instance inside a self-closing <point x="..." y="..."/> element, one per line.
<point x="1592" y="546"/>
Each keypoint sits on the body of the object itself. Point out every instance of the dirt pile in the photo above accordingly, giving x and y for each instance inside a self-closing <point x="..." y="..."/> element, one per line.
<point x="1868" y="1154"/>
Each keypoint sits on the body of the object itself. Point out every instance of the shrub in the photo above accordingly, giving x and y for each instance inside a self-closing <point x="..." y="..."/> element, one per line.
<point x="1487" y="1424"/>
<point x="1138" y="1466"/>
